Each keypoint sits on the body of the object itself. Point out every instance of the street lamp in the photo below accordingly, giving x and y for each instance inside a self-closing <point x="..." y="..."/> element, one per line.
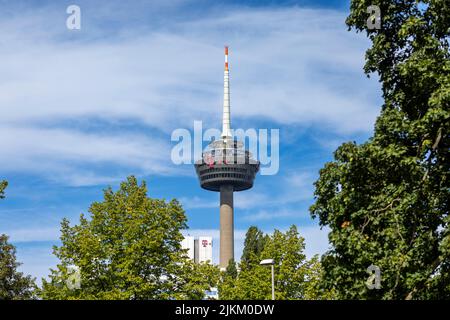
<point x="267" y="262"/>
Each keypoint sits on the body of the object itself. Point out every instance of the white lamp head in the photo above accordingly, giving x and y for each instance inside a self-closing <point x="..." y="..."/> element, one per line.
<point x="266" y="262"/>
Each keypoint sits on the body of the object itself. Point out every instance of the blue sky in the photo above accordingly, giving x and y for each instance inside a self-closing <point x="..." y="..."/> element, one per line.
<point x="81" y="110"/>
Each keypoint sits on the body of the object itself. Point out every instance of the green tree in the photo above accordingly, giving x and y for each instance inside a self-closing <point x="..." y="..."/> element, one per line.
<point x="13" y="284"/>
<point x="196" y="279"/>
<point x="227" y="283"/>
<point x="129" y="249"/>
<point x="253" y="245"/>
<point x="295" y="276"/>
<point x="3" y="185"/>
<point x="231" y="269"/>
<point x="387" y="200"/>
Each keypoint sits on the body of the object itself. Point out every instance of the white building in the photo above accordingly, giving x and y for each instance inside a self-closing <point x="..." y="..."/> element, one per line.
<point x="199" y="250"/>
<point x="204" y="249"/>
<point x="188" y="243"/>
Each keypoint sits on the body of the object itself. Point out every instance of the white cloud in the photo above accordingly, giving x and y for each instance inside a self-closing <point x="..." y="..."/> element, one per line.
<point x="32" y="234"/>
<point x="264" y="215"/>
<point x="36" y="260"/>
<point x="300" y="179"/>
<point x="295" y="187"/>
<point x="316" y="240"/>
<point x="61" y="152"/>
<point x="290" y="66"/>
<point x="197" y="203"/>
<point x="250" y="199"/>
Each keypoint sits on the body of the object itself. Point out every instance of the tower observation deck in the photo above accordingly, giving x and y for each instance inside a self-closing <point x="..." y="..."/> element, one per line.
<point x="226" y="167"/>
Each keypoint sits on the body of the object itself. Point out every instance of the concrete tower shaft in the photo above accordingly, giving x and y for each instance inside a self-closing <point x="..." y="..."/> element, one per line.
<point x="226" y="225"/>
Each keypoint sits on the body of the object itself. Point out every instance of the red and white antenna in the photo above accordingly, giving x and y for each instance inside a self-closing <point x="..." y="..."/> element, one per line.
<point x="226" y="123"/>
<point x="226" y="57"/>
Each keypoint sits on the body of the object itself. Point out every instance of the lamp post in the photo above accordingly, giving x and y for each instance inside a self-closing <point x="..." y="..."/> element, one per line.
<point x="267" y="262"/>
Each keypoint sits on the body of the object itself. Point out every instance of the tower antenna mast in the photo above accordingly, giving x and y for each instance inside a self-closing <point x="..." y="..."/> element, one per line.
<point x="226" y="122"/>
<point x="226" y="167"/>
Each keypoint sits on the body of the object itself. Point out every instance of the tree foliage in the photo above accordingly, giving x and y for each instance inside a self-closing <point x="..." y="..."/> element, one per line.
<point x="387" y="200"/>
<point x="13" y="284"/>
<point x="3" y="185"/>
<point x="129" y="249"/>
<point x="255" y="241"/>
<point x="295" y="276"/>
<point x="196" y="279"/>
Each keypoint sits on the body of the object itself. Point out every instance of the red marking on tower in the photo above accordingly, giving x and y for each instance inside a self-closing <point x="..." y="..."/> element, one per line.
<point x="226" y="57"/>
<point x="210" y="161"/>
